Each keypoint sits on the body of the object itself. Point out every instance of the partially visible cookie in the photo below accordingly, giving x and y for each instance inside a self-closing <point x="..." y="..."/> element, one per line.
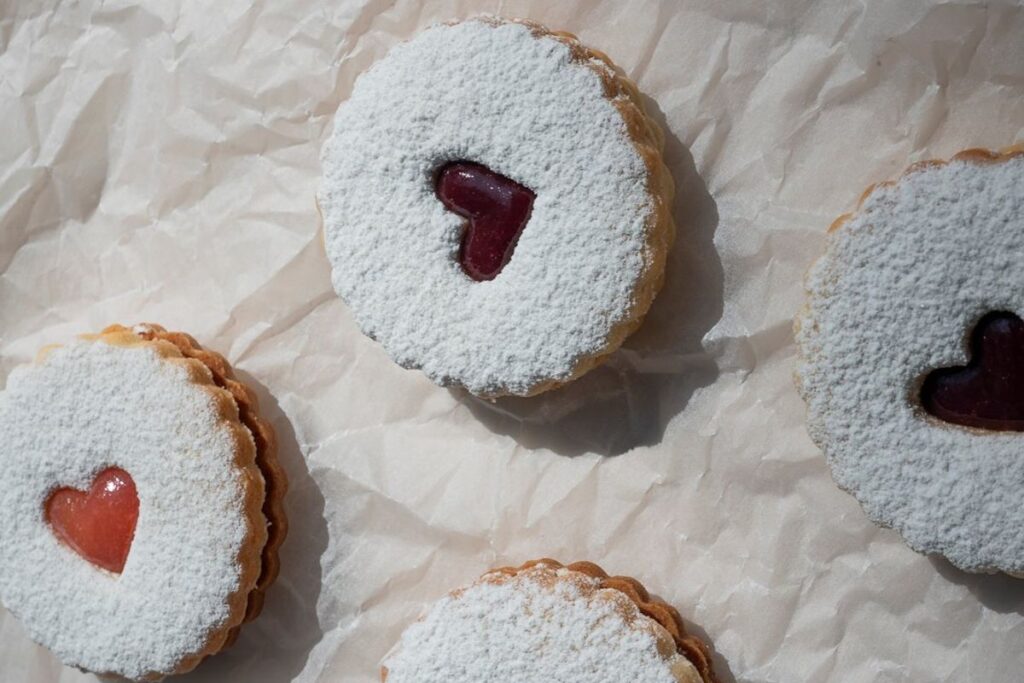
<point x="143" y="501"/>
<point x="546" y="622"/>
<point x="912" y="357"/>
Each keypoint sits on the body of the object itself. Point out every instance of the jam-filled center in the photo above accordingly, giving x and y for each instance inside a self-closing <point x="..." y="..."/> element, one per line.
<point x="98" y="524"/>
<point x="987" y="393"/>
<point x="497" y="209"/>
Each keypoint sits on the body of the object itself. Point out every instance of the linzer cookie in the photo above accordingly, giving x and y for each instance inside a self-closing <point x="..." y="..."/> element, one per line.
<point x="495" y="206"/>
<point x="912" y="357"/>
<point x="142" y="502"/>
<point x="544" y="622"/>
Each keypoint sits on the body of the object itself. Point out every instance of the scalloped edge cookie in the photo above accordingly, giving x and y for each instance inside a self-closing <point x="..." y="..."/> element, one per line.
<point x="630" y="597"/>
<point x="263" y="481"/>
<point x="806" y="329"/>
<point x="647" y="139"/>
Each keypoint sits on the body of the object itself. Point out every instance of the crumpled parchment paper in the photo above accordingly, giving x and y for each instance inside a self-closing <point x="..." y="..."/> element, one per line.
<point x="159" y="163"/>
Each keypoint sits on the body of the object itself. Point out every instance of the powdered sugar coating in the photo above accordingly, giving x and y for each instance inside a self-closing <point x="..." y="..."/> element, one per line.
<point x="895" y="296"/>
<point x="519" y="104"/>
<point x="88" y="406"/>
<point x="538" y="625"/>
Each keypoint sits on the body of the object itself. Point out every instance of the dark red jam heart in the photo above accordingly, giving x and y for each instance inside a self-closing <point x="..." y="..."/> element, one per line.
<point x="498" y="209"/>
<point x="989" y="392"/>
<point x="99" y="524"/>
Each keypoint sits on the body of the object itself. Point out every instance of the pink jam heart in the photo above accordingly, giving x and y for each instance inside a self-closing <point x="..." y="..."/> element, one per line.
<point x="99" y="524"/>
<point x="498" y="209"/>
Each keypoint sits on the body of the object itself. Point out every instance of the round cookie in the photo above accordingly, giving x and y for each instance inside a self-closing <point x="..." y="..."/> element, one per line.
<point x="496" y="122"/>
<point x="909" y="362"/>
<point x="143" y="502"/>
<point x="547" y="622"/>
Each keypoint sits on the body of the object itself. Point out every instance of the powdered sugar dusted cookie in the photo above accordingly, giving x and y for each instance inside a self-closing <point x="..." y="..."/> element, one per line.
<point x="495" y="206"/>
<point x="544" y="622"/>
<point x="912" y="357"/>
<point x="142" y="501"/>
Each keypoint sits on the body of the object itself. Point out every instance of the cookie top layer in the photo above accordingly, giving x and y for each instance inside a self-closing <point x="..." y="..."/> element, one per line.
<point x="896" y="295"/>
<point x="140" y="407"/>
<point x="543" y="623"/>
<point x="535" y="108"/>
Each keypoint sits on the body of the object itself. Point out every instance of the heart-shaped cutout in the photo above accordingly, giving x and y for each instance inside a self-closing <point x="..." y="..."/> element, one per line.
<point x="98" y="524"/>
<point x="987" y="393"/>
<point x="498" y="209"/>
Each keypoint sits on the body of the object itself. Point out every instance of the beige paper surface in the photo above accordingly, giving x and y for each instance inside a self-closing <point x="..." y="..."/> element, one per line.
<point x="159" y="163"/>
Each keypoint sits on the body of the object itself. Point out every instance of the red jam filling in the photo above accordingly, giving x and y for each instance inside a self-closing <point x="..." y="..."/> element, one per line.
<point x="987" y="393"/>
<point x="497" y="208"/>
<point x="98" y="524"/>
